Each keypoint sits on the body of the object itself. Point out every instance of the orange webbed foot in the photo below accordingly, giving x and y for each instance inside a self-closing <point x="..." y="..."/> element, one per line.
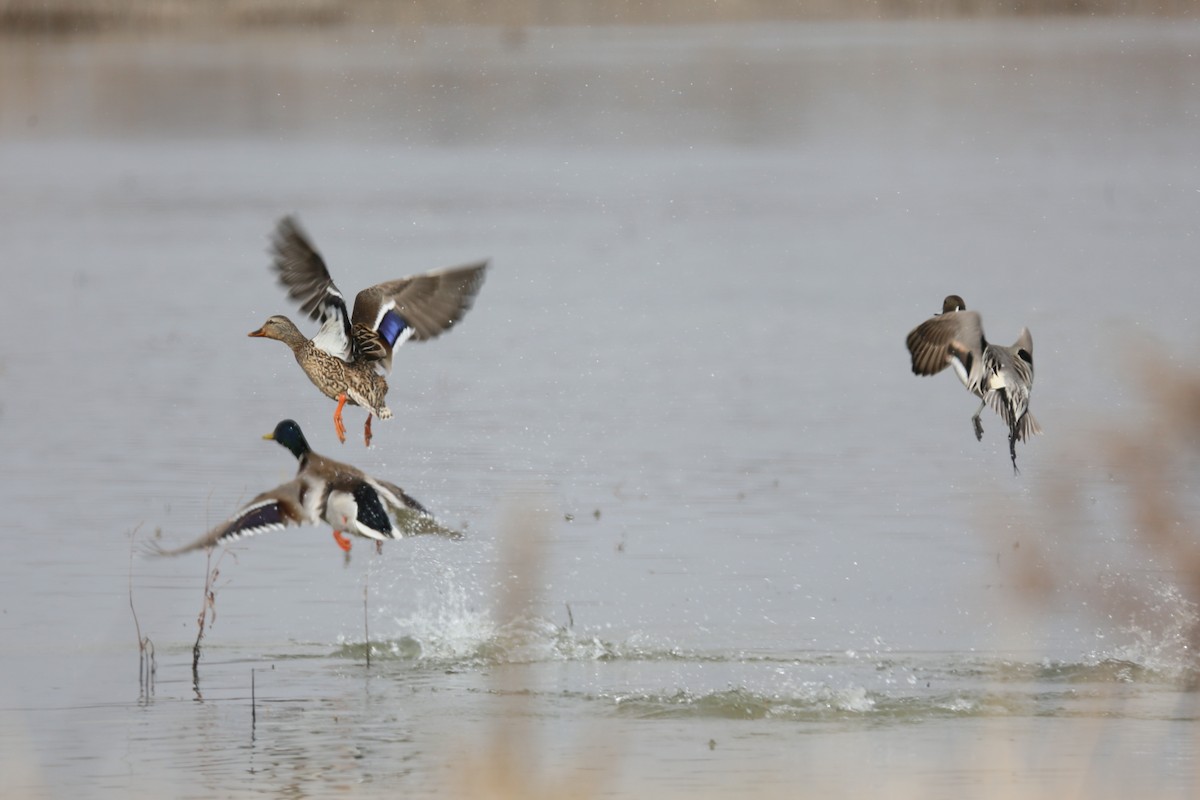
<point x="338" y="426"/>
<point x="342" y="541"/>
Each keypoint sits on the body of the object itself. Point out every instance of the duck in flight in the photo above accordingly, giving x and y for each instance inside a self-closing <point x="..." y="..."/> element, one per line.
<point x="1001" y="377"/>
<point x="350" y="355"/>
<point x="344" y="497"/>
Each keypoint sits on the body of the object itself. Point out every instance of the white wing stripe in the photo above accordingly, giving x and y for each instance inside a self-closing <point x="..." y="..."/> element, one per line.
<point x="332" y="337"/>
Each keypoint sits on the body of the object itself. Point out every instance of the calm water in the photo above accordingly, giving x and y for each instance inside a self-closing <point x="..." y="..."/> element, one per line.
<point x="765" y="555"/>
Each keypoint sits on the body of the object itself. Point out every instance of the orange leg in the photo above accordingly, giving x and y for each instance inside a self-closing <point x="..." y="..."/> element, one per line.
<point x="367" y="430"/>
<point x="338" y="426"/>
<point x="342" y="541"/>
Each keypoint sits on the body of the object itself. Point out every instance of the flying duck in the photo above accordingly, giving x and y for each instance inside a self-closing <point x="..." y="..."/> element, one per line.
<point x="1002" y="377"/>
<point x="350" y="355"/>
<point x="344" y="497"/>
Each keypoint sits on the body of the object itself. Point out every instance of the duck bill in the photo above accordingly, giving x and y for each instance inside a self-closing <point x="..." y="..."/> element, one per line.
<point x="259" y="332"/>
<point x="270" y="436"/>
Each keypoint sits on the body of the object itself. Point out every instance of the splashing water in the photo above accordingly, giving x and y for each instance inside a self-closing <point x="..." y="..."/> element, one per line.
<point x="1163" y="633"/>
<point x="451" y="627"/>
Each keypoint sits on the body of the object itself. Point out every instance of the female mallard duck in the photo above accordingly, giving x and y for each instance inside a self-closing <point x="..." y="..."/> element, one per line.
<point x="323" y="489"/>
<point x="349" y="356"/>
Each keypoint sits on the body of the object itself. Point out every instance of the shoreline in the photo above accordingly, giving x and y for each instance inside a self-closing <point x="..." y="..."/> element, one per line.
<point x="69" y="17"/>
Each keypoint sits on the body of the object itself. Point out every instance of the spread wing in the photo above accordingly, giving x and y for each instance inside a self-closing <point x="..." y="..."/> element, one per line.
<point x="270" y="511"/>
<point x="419" y="307"/>
<point x="303" y="273"/>
<point x="378" y="510"/>
<point x="1012" y="385"/>
<point x="949" y="337"/>
<point x="412" y="518"/>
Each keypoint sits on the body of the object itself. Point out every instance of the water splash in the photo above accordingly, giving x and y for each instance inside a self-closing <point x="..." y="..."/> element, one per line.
<point x="1162" y="627"/>
<point x="454" y="628"/>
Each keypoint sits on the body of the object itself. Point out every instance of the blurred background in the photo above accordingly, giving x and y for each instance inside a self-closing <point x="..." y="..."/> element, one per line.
<point x="80" y="15"/>
<point x="719" y="539"/>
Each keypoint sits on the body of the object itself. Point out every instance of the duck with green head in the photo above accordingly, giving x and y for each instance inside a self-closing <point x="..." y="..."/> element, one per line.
<point x="344" y="497"/>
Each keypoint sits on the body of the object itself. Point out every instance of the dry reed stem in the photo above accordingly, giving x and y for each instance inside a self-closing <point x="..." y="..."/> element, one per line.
<point x="147" y="665"/>
<point x="208" y="612"/>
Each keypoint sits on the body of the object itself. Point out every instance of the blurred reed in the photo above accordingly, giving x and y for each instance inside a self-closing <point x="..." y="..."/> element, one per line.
<point x="506" y="763"/>
<point x="1151" y="458"/>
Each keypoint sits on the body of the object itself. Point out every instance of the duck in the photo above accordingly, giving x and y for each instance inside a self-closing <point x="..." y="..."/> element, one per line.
<point x="1001" y="377"/>
<point x="351" y="354"/>
<point x="342" y="496"/>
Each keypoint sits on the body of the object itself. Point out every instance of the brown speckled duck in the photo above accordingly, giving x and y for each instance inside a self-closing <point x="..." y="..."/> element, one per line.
<point x="350" y="355"/>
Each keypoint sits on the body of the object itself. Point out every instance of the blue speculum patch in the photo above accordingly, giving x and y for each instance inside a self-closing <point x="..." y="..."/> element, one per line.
<point x="391" y="326"/>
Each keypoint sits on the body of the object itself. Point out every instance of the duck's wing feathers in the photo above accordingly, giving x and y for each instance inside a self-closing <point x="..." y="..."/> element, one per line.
<point x="303" y="273"/>
<point x="379" y="510"/>
<point x="1012" y="384"/>
<point x="1023" y="350"/>
<point x="354" y="506"/>
<point x="419" y="307"/>
<point x="944" y="339"/>
<point x="412" y="518"/>
<point x="270" y="511"/>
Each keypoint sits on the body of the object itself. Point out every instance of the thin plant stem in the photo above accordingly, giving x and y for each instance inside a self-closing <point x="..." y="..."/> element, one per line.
<point x="208" y="613"/>
<point x="147" y="667"/>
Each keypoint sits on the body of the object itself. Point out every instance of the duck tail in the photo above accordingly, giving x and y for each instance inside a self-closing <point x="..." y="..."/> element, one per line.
<point x="1026" y="426"/>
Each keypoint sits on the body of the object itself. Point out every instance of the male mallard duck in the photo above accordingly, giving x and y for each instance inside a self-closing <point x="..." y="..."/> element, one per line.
<point x="323" y="489"/>
<point x="349" y="356"/>
<point x="1002" y="377"/>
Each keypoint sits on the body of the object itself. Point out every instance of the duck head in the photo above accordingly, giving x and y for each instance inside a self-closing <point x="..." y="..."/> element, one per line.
<point x="281" y="328"/>
<point x="288" y="434"/>
<point x="952" y="303"/>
